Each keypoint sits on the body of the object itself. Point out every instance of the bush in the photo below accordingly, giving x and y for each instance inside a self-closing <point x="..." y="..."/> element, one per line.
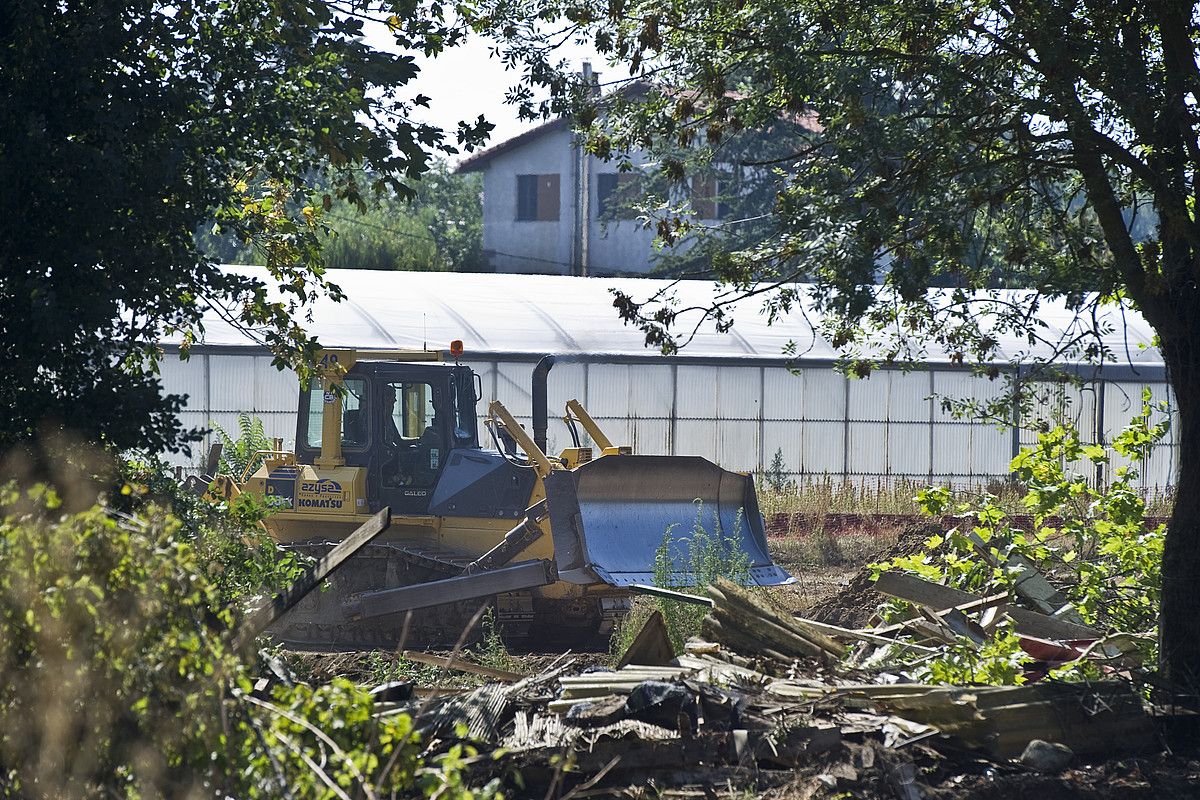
<point x="242" y="454"/>
<point x="118" y="679"/>
<point x="1093" y="541"/>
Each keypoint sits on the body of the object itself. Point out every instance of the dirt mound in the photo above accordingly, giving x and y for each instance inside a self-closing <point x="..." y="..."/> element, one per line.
<point x="853" y="606"/>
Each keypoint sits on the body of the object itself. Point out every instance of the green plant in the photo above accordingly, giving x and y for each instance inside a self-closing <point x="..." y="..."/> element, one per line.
<point x="237" y="554"/>
<point x="118" y="680"/>
<point x="776" y="476"/>
<point x="691" y="563"/>
<point x="490" y="650"/>
<point x="242" y="454"/>
<point x="1094" y="541"/>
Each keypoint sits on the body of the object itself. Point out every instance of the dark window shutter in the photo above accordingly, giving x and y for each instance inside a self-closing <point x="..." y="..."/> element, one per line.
<point x="606" y="186"/>
<point x="547" y="197"/>
<point x="527" y="197"/>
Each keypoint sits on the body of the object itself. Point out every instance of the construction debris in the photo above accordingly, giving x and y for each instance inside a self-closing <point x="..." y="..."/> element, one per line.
<point x="769" y="700"/>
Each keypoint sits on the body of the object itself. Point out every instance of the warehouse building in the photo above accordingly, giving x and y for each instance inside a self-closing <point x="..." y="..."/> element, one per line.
<point x="733" y="398"/>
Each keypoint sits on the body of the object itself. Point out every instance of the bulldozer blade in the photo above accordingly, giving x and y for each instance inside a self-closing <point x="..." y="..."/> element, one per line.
<point x="609" y="518"/>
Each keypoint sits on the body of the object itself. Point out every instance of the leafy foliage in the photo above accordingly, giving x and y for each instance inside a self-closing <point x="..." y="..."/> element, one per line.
<point x="117" y="677"/>
<point x="440" y="227"/>
<point x="243" y="453"/>
<point x="126" y="126"/>
<point x="1048" y="147"/>
<point x="1094" y="540"/>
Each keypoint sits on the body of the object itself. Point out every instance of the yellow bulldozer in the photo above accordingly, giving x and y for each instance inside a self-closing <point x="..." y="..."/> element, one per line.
<point x="557" y="543"/>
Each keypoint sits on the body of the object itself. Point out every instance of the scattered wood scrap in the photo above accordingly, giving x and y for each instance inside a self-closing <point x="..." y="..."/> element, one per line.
<point x="651" y="646"/>
<point x="462" y="665"/>
<point x="746" y="624"/>
<point x="943" y="598"/>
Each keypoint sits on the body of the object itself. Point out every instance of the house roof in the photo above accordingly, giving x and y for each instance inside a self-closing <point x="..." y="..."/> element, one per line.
<point x="479" y="161"/>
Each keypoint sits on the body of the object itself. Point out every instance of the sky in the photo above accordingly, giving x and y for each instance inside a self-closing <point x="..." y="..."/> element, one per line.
<point x="466" y="81"/>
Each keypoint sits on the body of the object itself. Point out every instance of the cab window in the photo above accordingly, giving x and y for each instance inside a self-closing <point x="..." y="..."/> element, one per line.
<point x="354" y="414"/>
<point x="412" y="433"/>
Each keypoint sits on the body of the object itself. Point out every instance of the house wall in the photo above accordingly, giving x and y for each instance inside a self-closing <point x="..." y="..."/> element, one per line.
<point x="549" y="247"/>
<point x="529" y="246"/>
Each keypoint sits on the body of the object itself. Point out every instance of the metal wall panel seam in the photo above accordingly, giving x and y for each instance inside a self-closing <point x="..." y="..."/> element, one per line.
<point x="587" y="390"/>
<point x="931" y="420"/>
<point x="1100" y="389"/>
<point x="208" y="401"/>
<point x="1016" y="421"/>
<point x="845" y="426"/>
<point x="762" y="405"/>
<point x="674" y="414"/>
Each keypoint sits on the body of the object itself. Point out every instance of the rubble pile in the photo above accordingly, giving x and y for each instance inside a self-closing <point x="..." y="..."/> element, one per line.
<point x="769" y="704"/>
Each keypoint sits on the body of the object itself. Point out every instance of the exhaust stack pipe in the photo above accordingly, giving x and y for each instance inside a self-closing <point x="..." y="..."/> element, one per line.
<point x="541" y="411"/>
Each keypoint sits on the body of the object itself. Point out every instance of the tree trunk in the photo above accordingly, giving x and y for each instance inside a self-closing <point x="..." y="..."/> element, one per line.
<point x="1179" y="626"/>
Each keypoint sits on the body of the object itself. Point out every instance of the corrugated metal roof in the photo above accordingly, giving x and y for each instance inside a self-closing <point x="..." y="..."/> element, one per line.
<point x="538" y="314"/>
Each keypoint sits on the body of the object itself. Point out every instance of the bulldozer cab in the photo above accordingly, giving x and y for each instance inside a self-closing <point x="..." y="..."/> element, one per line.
<point x="400" y="421"/>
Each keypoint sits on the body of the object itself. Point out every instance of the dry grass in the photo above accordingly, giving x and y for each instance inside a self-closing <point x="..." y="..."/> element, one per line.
<point x="824" y="549"/>
<point x="828" y="495"/>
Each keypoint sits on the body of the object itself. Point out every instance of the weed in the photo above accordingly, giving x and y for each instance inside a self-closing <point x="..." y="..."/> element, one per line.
<point x="817" y="497"/>
<point x="775" y="477"/>
<point x="490" y="651"/>
<point x="241" y="455"/>
<point x="689" y="563"/>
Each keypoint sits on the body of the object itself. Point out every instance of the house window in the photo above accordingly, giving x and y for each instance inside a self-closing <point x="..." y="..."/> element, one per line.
<point x="707" y="195"/>
<point x="537" y="197"/>
<point x="616" y="192"/>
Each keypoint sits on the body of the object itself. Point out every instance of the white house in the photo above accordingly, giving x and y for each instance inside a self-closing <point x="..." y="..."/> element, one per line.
<point x="549" y="207"/>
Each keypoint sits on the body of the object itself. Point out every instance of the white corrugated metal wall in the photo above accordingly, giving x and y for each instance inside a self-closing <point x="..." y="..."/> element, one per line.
<point x="889" y="425"/>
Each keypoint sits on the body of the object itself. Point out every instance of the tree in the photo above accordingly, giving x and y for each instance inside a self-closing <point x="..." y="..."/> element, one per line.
<point x="1034" y="143"/>
<point x="440" y="227"/>
<point x="125" y="126"/>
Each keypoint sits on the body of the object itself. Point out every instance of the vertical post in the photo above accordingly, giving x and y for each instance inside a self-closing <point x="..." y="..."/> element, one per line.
<point x="208" y="394"/>
<point x="585" y="191"/>
<point x="1098" y="436"/>
<point x="932" y="419"/>
<point x="673" y="414"/>
<point x="331" y="422"/>
<point x="845" y="428"/>
<point x="1016" y="415"/>
<point x="762" y="425"/>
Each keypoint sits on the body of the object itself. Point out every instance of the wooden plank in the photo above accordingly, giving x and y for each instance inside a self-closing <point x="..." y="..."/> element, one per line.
<point x="862" y="636"/>
<point x="992" y="603"/>
<point x="449" y="662"/>
<point x="670" y="594"/>
<point x="941" y="598"/>
<point x="258" y="620"/>
<point x="922" y="592"/>
<point x="1031" y="584"/>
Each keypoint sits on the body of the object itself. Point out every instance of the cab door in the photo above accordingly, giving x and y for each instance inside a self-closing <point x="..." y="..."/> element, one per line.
<point x="411" y="440"/>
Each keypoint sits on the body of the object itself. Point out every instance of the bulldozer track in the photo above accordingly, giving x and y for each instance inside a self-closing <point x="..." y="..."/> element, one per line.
<point x="317" y="623"/>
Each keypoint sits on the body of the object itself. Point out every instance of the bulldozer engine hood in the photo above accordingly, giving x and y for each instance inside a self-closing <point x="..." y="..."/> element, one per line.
<point x="611" y="516"/>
